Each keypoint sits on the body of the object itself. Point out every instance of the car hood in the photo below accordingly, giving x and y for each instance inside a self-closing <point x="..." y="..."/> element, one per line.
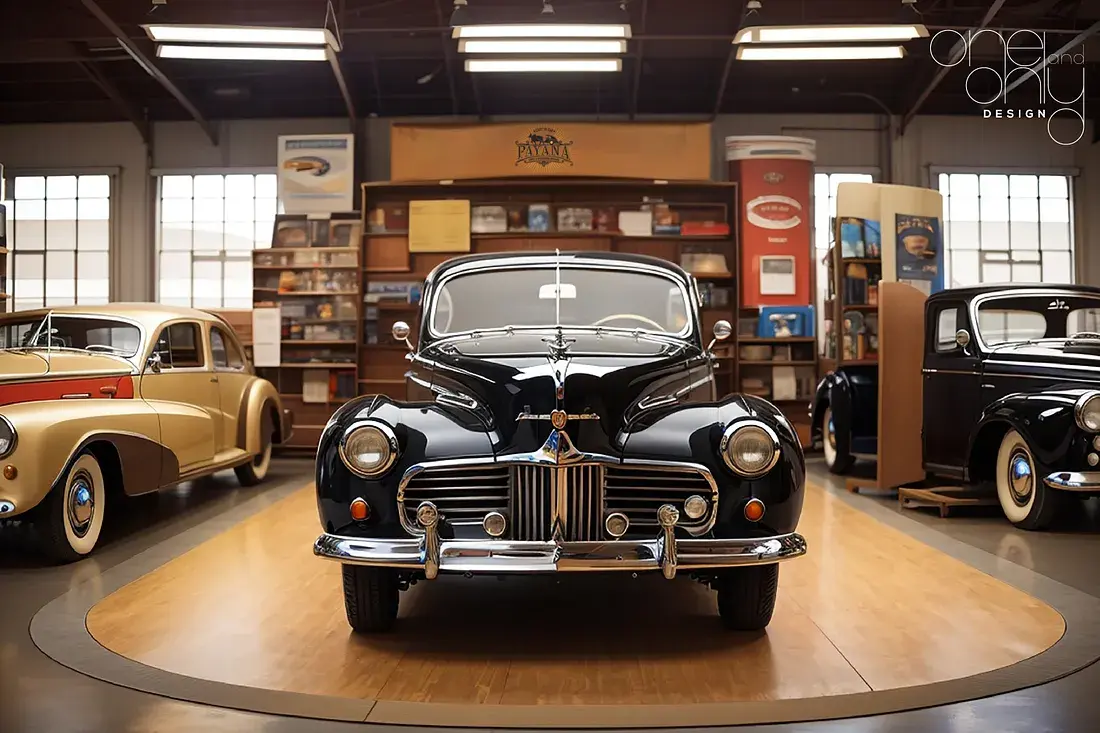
<point x="1055" y="358"/>
<point x="514" y="374"/>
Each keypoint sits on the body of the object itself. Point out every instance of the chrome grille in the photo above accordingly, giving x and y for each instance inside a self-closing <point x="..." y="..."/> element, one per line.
<point x="570" y="496"/>
<point x="463" y="494"/>
<point x="638" y="491"/>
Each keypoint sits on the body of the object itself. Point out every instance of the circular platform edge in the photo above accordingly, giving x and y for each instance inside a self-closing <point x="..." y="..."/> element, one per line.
<point x="59" y="631"/>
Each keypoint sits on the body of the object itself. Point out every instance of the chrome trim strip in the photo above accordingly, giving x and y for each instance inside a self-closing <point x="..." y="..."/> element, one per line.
<point x="1074" y="481"/>
<point x="499" y="556"/>
<point x="1047" y="377"/>
<point x="569" y="416"/>
<point x="1048" y="365"/>
<point x="76" y="396"/>
<point x="961" y="372"/>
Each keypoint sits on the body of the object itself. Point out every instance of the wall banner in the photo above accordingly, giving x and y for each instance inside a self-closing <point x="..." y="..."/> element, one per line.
<point x="316" y="173"/>
<point x="643" y="150"/>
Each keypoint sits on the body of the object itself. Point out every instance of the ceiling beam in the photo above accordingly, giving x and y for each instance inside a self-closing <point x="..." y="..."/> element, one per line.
<point x="1069" y="46"/>
<point x="724" y="81"/>
<point x="638" y="63"/>
<point x="127" y="107"/>
<point x="341" y="81"/>
<point x="942" y="71"/>
<point x="151" y="69"/>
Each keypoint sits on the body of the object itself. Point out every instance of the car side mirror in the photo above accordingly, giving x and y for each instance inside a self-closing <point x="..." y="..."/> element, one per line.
<point x="401" y="332"/>
<point x="962" y="337"/>
<point x="722" y="331"/>
<point x="154" y="363"/>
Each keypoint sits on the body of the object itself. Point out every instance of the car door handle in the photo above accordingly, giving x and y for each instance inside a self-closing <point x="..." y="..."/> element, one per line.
<point x="213" y="379"/>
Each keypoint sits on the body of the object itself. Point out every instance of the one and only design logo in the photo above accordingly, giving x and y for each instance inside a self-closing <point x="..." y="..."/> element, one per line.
<point x="1020" y="66"/>
<point x="543" y="146"/>
<point x="774" y="212"/>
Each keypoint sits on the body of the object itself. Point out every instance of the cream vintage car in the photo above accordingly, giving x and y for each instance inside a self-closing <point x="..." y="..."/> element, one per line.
<point x="102" y="401"/>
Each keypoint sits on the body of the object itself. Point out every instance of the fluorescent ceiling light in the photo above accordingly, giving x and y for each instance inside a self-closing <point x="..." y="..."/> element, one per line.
<point x="830" y="33"/>
<point x="558" y="64"/>
<point x="543" y="30"/>
<point x="564" y="45"/>
<point x="242" y="53"/>
<point x="245" y="35"/>
<point x="818" y="53"/>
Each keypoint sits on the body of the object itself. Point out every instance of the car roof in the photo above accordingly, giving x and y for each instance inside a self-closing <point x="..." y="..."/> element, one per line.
<point x="1022" y="288"/>
<point x="539" y="258"/>
<point x="149" y="315"/>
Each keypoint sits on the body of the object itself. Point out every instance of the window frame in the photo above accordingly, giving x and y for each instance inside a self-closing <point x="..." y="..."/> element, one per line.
<point x="231" y="348"/>
<point x="223" y="256"/>
<point x="114" y="230"/>
<point x="984" y="255"/>
<point x="201" y="347"/>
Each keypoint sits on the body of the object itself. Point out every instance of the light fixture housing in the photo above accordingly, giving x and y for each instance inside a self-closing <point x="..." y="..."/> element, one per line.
<point x="553" y="46"/>
<point x="242" y="53"/>
<point x="542" y="30"/>
<point x="559" y="64"/>
<point x="857" y="33"/>
<point x="818" y="53"/>
<point x="241" y="35"/>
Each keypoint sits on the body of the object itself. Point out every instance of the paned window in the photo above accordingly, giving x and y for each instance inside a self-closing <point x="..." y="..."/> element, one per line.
<point x="207" y="227"/>
<point x="1001" y="228"/>
<point x="59" y="239"/>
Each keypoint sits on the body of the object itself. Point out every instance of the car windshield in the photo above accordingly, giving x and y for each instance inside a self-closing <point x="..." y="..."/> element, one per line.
<point x="72" y="332"/>
<point x="1033" y="317"/>
<point x="525" y="298"/>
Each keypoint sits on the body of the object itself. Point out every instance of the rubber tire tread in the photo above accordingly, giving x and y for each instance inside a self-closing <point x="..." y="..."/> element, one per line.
<point x="371" y="598"/>
<point x="746" y="597"/>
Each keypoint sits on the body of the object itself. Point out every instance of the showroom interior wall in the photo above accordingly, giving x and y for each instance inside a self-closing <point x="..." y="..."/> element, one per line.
<point x="845" y="142"/>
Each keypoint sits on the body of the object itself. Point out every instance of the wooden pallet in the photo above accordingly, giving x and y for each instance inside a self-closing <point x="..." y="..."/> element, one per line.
<point x="945" y="498"/>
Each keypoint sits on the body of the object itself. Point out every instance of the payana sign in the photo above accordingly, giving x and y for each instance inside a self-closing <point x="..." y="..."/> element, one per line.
<point x="1023" y="67"/>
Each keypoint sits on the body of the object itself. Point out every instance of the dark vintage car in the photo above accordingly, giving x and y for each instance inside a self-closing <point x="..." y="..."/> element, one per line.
<point x="572" y="425"/>
<point x="1011" y="396"/>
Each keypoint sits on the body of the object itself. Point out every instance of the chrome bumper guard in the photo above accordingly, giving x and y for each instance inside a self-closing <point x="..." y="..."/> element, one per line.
<point x="1074" y="480"/>
<point x="665" y="552"/>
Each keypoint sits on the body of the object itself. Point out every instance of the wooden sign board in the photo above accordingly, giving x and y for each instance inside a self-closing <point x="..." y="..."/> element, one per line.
<point x="643" y="150"/>
<point x="900" y="384"/>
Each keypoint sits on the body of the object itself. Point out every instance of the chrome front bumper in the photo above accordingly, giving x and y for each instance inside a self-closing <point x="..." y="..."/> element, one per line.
<point x="502" y="556"/>
<point x="1074" y="481"/>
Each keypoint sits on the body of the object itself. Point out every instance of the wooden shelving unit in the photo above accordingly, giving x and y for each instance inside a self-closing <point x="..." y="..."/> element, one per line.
<point x="852" y="306"/>
<point x="311" y="272"/>
<point x="387" y="261"/>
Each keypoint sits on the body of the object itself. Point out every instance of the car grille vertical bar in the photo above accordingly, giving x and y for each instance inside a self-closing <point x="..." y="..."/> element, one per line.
<point x="543" y="495"/>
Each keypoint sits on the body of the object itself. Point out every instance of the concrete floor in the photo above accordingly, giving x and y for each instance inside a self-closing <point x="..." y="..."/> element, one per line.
<point x="39" y="695"/>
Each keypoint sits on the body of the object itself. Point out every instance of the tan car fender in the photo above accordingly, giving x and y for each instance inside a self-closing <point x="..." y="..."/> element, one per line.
<point x="124" y="434"/>
<point x="261" y="411"/>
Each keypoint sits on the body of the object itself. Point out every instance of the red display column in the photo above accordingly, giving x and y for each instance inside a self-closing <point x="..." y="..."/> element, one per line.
<point x="775" y="185"/>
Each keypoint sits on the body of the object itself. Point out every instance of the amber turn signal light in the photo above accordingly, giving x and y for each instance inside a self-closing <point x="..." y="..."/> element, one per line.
<point x="9" y="472"/>
<point x="360" y="510"/>
<point x="754" y="510"/>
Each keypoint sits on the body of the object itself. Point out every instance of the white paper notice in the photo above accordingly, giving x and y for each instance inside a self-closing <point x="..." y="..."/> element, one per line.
<point x="267" y="336"/>
<point x="777" y="276"/>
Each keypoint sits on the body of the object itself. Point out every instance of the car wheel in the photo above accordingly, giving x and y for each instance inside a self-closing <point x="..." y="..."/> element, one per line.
<point x="1025" y="499"/>
<point x="835" y="460"/>
<point x="371" y="598"/>
<point x="746" y="597"/>
<point x="72" y="514"/>
<point x="255" y="471"/>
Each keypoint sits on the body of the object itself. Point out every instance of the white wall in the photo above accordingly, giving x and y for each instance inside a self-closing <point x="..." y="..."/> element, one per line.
<point x="844" y="141"/>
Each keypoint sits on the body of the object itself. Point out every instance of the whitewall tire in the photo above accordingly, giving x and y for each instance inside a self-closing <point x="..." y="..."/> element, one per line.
<point x="255" y="471"/>
<point x="72" y="517"/>
<point x="1027" y="502"/>
<point x="834" y="461"/>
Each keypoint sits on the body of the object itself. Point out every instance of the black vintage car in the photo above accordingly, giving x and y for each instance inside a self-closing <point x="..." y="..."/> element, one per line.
<point x="571" y="424"/>
<point x="1011" y="396"/>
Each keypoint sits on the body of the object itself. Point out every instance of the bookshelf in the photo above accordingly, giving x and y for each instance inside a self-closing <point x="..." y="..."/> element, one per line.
<point x="311" y="273"/>
<point x="854" y="267"/>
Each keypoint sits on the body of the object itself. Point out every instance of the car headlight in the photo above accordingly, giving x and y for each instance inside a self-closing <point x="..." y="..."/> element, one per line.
<point x="1087" y="412"/>
<point x="369" y="450"/>
<point x="750" y="448"/>
<point x="7" y="437"/>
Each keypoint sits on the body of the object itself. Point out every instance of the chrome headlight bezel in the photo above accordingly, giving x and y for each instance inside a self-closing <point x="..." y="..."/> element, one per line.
<point x="388" y="438"/>
<point x="727" y="444"/>
<point x="1081" y="412"/>
<point x="6" y="424"/>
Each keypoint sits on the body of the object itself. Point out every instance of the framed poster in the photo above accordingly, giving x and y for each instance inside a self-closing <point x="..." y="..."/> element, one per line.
<point x="317" y="173"/>
<point x="919" y="252"/>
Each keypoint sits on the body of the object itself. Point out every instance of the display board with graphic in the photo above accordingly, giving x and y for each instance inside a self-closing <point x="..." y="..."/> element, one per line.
<point x="642" y="150"/>
<point x="919" y="252"/>
<point x="775" y="176"/>
<point x="316" y="173"/>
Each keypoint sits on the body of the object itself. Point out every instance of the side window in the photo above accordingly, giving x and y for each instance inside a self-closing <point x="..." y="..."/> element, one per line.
<point x="225" y="351"/>
<point x="947" y="323"/>
<point x="162" y="348"/>
<point x="185" y="344"/>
